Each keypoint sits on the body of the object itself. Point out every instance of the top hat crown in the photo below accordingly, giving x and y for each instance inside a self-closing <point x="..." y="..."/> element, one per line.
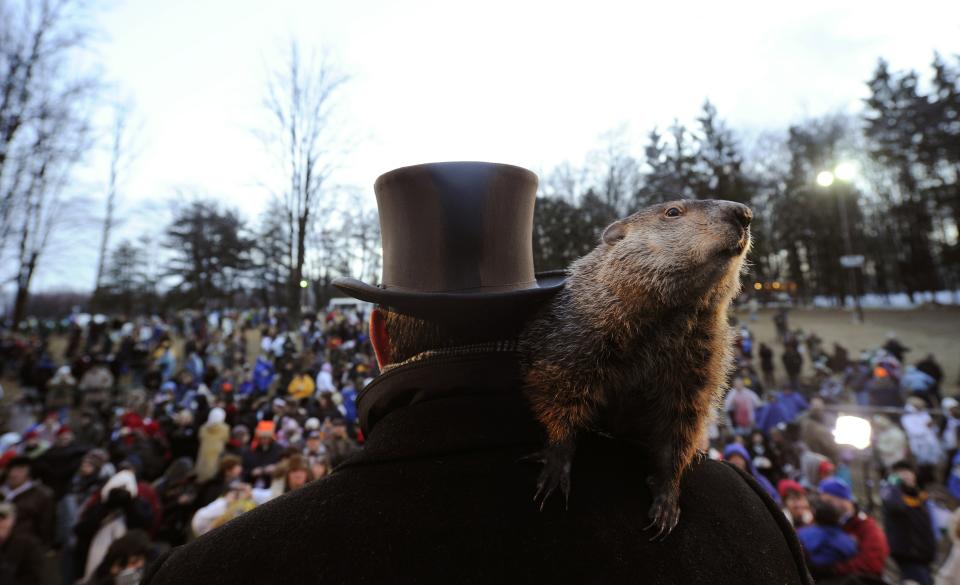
<point x="456" y="236"/>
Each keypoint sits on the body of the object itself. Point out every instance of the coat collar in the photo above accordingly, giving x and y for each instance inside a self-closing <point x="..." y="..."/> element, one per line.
<point x="445" y="403"/>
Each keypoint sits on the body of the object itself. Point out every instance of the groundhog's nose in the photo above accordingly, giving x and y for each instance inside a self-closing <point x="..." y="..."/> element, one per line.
<point x="740" y="213"/>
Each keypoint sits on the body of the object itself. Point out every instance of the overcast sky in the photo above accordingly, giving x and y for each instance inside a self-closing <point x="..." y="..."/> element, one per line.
<point x="529" y="83"/>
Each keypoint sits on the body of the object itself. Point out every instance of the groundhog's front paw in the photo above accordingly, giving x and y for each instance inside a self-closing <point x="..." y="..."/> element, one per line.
<point x="664" y="513"/>
<point x="556" y="461"/>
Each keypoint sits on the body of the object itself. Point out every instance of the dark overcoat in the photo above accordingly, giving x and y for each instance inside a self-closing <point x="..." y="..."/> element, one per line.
<point x="438" y="496"/>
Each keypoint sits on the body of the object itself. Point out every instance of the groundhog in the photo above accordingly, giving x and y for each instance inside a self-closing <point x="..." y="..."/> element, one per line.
<point x="637" y="344"/>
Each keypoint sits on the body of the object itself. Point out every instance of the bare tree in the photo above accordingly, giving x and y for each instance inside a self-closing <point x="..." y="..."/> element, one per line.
<point x="44" y="104"/>
<point x="120" y="157"/>
<point x="301" y="100"/>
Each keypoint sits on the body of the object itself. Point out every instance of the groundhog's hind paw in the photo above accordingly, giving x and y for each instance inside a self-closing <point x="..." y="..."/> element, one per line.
<point x="556" y="461"/>
<point x="664" y="514"/>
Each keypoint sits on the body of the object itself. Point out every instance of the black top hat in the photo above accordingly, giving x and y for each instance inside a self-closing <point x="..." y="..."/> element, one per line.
<point x="457" y="239"/>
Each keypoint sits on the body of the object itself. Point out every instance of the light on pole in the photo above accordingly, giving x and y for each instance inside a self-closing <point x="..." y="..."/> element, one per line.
<point x="846" y="172"/>
<point x="825" y="178"/>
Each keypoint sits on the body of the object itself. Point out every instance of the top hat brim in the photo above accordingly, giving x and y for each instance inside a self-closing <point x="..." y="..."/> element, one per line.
<point x="514" y="303"/>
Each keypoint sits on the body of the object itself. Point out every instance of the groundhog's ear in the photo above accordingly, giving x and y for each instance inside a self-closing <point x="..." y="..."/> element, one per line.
<point x="615" y="232"/>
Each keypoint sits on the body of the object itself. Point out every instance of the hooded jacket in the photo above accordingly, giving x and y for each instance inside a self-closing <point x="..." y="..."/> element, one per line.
<point x="738" y="449"/>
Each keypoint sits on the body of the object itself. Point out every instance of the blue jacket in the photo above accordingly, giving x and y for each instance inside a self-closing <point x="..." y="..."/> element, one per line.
<point x="826" y="545"/>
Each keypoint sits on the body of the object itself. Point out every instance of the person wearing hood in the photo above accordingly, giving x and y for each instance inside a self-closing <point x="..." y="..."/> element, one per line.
<point x="908" y="524"/>
<point x="107" y="517"/>
<point x="737" y="455"/>
<point x="214" y="435"/>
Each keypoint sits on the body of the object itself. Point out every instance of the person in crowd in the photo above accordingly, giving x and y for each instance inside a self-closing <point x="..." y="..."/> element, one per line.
<point x="96" y="385"/>
<point x="872" y="545"/>
<point x="183" y="436"/>
<point x="890" y="442"/>
<point x="766" y="365"/>
<point x="741" y="405"/>
<point x="61" y="389"/>
<point x="124" y="562"/>
<point x="325" y="379"/>
<point x="56" y="467"/>
<point x="95" y="469"/>
<point x="90" y="431"/>
<point x="737" y="455"/>
<point x="816" y="429"/>
<point x="292" y="473"/>
<point x="231" y="469"/>
<point x="792" y="363"/>
<point x="916" y="382"/>
<point x="883" y="388"/>
<point x="825" y="543"/>
<point x="338" y="444"/>
<point x="930" y="366"/>
<point x="214" y="435"/>
<point x="261" y="457"/>
<point x="238" y="499"/>
<point x="21" y="555"/>
<point x="796" y="505"/>
<point x="894" y="347"/>
<point x="908" y="524"/>
<point x="950" y="435"/>
<point x="34" y="501"/>
<point x="117" y="508"/>
<point x="949" y="572"/>
<point x="176" y="490"/>
<point x="301" y="386"/>
<point x="922" y="437"/>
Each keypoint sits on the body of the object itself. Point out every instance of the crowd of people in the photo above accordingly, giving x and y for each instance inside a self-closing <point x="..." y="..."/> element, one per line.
<point x="142" y="434"/>
<point x="779" y="429"/>
<point x="139" y="435"/>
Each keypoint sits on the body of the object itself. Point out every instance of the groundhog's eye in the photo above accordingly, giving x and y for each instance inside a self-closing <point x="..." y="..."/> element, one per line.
<point x="674" y="212"/>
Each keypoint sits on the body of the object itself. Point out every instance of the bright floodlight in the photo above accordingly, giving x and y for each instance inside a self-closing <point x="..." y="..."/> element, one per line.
<point x="845" y="171"/>
<point x="825" y="178"/>
<point x="304" y="284"/>
<point x="853" y="431"/>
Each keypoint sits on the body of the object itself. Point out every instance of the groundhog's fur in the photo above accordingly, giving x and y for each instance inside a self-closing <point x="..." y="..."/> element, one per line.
<point x="637" y="345"/>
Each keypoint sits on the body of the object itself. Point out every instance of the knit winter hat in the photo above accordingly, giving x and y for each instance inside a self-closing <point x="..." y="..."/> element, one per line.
<point x="836" y="487"/>
<point x="789" y="486"/>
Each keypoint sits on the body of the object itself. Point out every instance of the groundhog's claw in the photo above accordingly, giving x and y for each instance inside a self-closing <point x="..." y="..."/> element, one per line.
<point x="556" y="461"/>
<point x="664" y="514"/>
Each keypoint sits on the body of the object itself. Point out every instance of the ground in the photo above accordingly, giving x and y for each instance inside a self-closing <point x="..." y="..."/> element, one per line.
<point x="933" y="330"/>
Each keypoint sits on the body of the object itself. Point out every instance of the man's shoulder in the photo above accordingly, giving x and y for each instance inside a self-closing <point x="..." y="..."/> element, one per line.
<point x="421" y="517"/>
<point x="311" y="517"/>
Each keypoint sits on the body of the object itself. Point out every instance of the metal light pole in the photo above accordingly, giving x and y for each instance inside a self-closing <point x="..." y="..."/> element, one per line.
<point x="850" y="262"/>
